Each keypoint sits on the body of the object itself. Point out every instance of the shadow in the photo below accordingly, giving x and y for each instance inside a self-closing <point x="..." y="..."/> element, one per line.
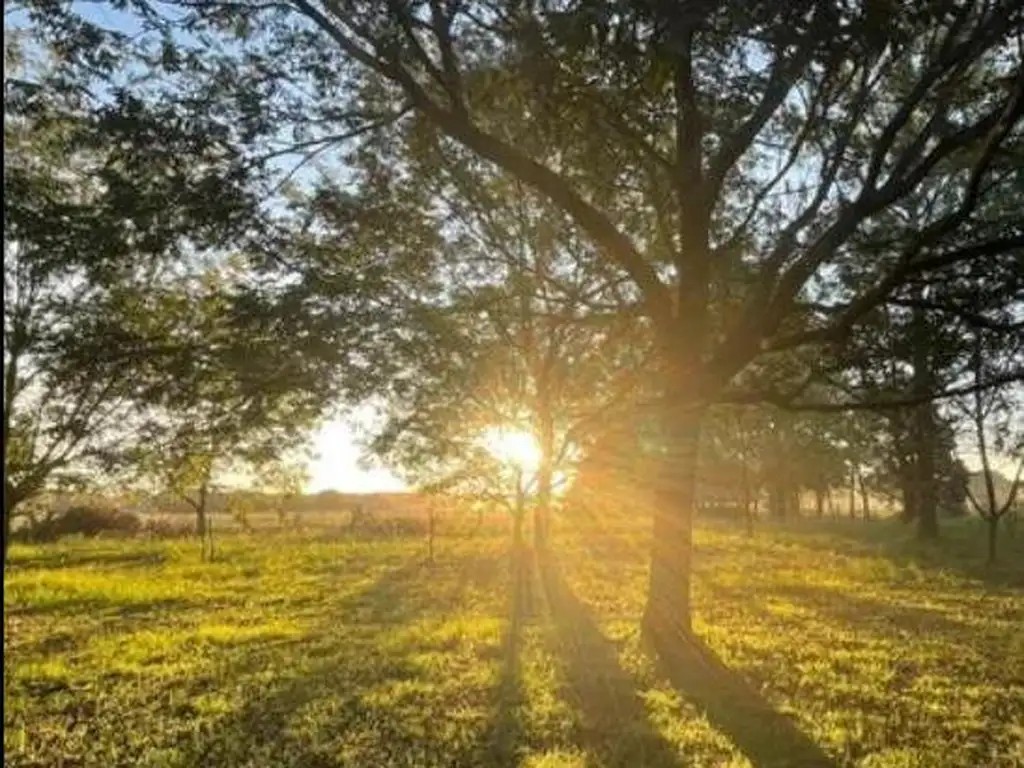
<point x="615" y="725"/>
<point x="73" y="559"/>
<point x="354" y="682"/>
<point x="959" y="548"/>
<point x="505" y="733"/>
<point x="767" y="737"/>
<point x="258" y="732"/>
<point x="482" y="572"/>
<point x="863" y="612"/>
<point x="855" y="611"/>
<point x="98" y="608"/>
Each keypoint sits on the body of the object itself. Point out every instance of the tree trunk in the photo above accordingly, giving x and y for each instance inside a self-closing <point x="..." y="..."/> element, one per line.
<point x="542" y="519"/>
<point x="908" y="488"/>
<point x="545" y="478"/>
<point x="926" y="493"/>
<point x="853" y="494"/>
<point x="201" y="512"/>
<point x="748" y="511"/>
<point x="209" y="536"/>
<point x="202" y="521"/>
<point x="12" y="353"/>
<point x="517" y="529"/>
<point x="993" y="534"/>
<point x="864" y="499"/>
<point x="923" y="430"/>
<point x="542" y="514"/>
<point x="777" y="500"/>
<point x="519" y="512"/>
<point x="431" y="519"/>
<point x="666" y="618"/>
<point x="819" y="503"/>
<point x="9" y="504"/>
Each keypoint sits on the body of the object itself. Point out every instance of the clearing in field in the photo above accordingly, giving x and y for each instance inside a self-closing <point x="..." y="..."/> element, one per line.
<point x="822" y="648"/>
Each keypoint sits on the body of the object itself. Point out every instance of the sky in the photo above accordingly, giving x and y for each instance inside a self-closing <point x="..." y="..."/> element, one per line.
<point x="336" y="466"/>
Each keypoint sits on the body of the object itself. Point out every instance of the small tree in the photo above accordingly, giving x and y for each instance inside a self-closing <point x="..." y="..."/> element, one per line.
<point x="242" y="401"/>
<point x="100" y="194"/>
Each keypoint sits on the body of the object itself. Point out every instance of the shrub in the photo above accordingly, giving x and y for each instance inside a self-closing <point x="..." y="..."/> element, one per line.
<point x="407" y="526"/>
<point x="85" y="520"/>
<point x="164" y="528"/>
<point x="399" y="527"/>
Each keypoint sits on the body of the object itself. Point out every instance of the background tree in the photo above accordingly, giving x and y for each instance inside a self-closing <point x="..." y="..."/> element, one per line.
<point x="243" y="398"/>
<point x="96" y="200"/>
<point x="994" y="418"/>
<point x="493" y="314"/>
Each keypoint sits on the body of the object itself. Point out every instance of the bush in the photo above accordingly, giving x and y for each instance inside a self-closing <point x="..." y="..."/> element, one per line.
<point x="407" y="526"/>
<point x="164" y="528"/>
<point x="398" y="527"/>
<point x="84" y="520"/>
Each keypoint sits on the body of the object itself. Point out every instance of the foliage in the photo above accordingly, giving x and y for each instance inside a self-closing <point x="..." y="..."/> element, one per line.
<point x="243" y="400"/>
<point x="100" y="211"/>
<point x="764" y="178"/>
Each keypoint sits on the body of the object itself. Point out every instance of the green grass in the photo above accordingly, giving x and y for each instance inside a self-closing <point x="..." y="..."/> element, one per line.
<point x="835" y="644"/>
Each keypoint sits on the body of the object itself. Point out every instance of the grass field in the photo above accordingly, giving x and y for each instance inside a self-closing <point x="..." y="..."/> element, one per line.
<point x="838" y="644"/>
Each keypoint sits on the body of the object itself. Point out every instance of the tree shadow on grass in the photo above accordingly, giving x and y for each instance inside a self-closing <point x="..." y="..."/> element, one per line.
<point x="62" y="558"/>
<point x="960" y="547"/>
<point x="505" y="733"/>
<point x="352" y="692"/>
<point x="853" y="610"/>
<point x="767" y="737"/>
<point x="615" y="725"/>
<point x="326" y="665"/>
<point x="860" y="612"/>
<point x="101" y="608"/>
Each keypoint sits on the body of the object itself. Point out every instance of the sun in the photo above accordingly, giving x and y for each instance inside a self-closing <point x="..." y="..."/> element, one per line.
<point x="513" y="446"/>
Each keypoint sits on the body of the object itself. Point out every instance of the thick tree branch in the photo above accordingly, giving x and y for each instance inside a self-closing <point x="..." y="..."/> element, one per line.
<point x="882" y="290"/>
<point x="458" y="126"/>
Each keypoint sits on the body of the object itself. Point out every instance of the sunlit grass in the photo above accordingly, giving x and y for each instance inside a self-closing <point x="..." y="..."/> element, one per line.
<point x="291" y="651"/>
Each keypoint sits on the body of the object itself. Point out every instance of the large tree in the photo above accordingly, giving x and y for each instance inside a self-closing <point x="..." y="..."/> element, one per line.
<point x="683" y="140"/>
